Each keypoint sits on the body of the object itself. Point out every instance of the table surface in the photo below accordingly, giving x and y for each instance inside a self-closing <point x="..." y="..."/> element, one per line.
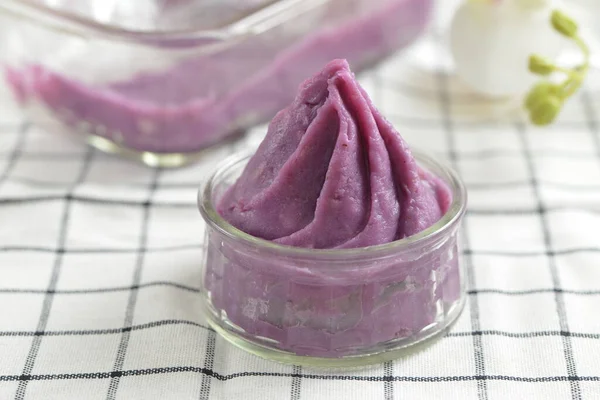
<point x="99" y="262"/>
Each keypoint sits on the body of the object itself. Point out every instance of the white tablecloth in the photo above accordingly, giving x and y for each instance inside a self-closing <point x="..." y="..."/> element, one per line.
<point x="100" y="263"/>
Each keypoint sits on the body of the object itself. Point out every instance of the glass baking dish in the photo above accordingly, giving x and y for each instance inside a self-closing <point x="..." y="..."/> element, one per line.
<point x="161" y="80"/>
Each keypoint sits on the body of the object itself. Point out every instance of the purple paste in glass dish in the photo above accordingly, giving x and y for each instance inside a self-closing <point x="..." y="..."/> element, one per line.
<point x="333" y="244"/>
<point x="184" y="75"/>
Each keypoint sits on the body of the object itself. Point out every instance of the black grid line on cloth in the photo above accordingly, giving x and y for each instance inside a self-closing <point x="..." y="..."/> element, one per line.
<point x="388" y="367"/>
<point x="172" y="322"/>
<point x="558" y="297"/>
<point x="209" y="361"/>
<point x="428" y="123"/>
<point x="94" y="200"/>
<point x="521" y="184"/>
<point x="16" y="152"/>
<point x="467" y="154"/>
<point x="550" y="153"/>
<point x="592" y="120"/>
<point x="469" y="268"/>
<point x="192" y="289"/>
<point x="181" y="205"/>
<point x="388" y="382"/>
<point x="110" y="331"/>
<point x="296" y="383"/>
<point x="55" y="274"/>
<point x="546" y="252"/>
<point x="448" y="126"/>
<point x="530" y="211"/>
<point x="107" y="289"/>
<point x="165" y="249"/>
<point x="133" y="294"/>
<point x="356" y="378"/>
<point x="211" y="342"/>
<point x="525" y="334"/>
<point x="37" y="249"/>
<point x="535" y="291"/>
<point x="479" y="186"/>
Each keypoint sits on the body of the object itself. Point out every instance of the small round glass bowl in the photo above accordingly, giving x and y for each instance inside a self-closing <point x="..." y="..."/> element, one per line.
<point x="331" y="308"/>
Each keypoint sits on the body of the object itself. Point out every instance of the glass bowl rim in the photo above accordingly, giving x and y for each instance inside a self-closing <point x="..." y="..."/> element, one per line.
<point x="247" y="25"/>
<point x="438" y="230"/>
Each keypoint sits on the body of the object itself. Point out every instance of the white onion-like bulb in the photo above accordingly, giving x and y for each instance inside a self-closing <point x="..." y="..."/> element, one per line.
<point x="491" y="42"/>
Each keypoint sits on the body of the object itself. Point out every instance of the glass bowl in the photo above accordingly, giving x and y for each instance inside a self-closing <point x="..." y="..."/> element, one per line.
<point x="328" y="308"/>
<point x="160" y="80"/>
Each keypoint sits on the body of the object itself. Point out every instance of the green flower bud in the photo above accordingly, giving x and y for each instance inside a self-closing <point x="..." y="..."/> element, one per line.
<point x="564" y="24"/>
<point x="539" y="92"/>
<point x="541" y="66"/>
<point x="546" y="111"/>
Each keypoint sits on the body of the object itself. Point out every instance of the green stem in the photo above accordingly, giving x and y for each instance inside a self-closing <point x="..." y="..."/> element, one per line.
<point x="573" y="84"/>
<point x="586" y="54"/>
<point x="569" y="88"/>
<point x="569" y="72"/>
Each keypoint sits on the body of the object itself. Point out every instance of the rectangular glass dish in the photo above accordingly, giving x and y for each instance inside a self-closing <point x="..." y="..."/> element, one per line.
<point x="161" y="80"/>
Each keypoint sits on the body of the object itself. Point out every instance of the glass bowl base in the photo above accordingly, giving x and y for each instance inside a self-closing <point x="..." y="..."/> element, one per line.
<point x="378" y="354"/>
<point x="152" y="159"/>
<point x="88" y="133"/>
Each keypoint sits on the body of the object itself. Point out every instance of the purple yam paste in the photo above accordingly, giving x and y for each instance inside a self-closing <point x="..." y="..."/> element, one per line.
<point x="332" y="173"/>
<point x="200" y="101"/>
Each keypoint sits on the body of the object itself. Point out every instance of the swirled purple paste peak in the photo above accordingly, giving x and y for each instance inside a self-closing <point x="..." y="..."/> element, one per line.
<point x="333" y="173"/>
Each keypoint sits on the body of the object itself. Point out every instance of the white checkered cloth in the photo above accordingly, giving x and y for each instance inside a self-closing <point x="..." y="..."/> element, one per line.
<point x="100" y="263"/>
